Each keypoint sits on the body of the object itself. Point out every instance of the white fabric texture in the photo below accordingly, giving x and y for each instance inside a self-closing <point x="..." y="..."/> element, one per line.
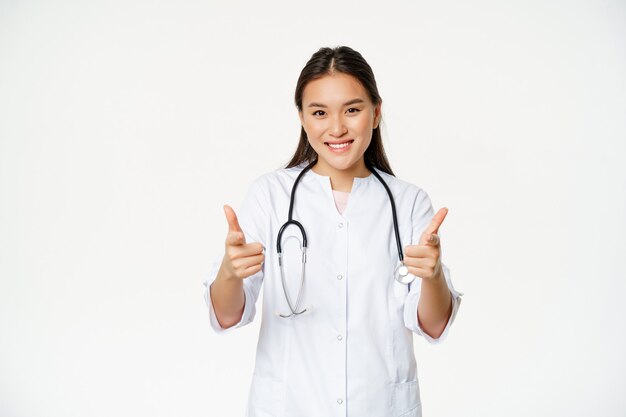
<point x="351" y="353"/>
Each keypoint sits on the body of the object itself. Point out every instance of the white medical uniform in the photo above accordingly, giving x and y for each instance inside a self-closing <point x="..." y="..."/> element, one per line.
<point x="352" y="353"/>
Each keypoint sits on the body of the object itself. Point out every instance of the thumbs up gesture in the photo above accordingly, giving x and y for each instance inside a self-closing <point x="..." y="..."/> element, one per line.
<point x="241" y="259"/>
<point x="423" y="259"/>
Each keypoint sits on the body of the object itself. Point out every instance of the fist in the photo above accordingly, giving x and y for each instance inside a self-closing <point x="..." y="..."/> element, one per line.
<point x="423" y="259"/>
<point x="241" y="259"/>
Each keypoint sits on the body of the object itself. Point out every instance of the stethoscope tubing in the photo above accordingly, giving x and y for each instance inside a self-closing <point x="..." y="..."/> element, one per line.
<point x="393" y="210"/>
<point x="291" y="221"/>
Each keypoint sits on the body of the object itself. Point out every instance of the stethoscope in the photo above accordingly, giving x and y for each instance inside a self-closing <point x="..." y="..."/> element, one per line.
<point x="401" y="272"/>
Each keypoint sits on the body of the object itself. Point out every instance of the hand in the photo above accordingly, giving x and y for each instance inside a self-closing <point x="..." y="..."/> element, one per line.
<point x="241" y="259"/>
<point x="423" y="259"/>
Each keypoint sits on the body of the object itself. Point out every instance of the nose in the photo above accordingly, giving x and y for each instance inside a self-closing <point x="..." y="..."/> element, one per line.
<point x="337" y="127"/>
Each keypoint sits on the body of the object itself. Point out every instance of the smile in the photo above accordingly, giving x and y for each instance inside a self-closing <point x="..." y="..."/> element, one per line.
<point x="339" y="147"/>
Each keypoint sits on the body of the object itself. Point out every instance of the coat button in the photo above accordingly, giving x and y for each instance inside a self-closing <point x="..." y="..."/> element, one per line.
<point x="340" y="225"/>
<point x="340" y="337"/>
<point x="339" y="401"/>
<point x="339" y="276"/>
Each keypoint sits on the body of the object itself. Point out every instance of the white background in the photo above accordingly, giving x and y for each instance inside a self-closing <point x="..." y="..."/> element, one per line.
<point x="126" y="125"/>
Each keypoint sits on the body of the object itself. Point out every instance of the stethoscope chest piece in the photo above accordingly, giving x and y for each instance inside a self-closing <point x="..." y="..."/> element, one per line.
<point x="403" y="275"/>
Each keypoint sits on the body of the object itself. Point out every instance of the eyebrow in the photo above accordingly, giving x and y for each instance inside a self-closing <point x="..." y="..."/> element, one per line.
<point x="347" y="103"/>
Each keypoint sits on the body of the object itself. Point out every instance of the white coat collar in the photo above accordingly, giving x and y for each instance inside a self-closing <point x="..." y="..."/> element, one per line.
<point x="325" y="179"/>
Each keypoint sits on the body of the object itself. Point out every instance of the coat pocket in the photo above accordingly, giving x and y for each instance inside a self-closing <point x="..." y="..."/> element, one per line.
<point x="266" y="397"/>
<point x="400" y="290"/>
<point x="405" y="400"/>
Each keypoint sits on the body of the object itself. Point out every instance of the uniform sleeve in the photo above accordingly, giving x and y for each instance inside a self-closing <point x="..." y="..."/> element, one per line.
<point x="421" y="216"/>
<point x="252" y="216"/>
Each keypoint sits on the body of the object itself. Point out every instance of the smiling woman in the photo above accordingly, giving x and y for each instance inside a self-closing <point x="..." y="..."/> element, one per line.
<point x="349" y="349"/>
<point x="334" y="126"/>
<point x="337" y="108"/>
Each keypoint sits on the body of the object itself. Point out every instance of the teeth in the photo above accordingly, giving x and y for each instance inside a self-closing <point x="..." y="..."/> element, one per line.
<point x="339" y="146"/>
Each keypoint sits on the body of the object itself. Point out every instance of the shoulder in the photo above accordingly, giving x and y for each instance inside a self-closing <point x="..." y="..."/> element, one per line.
<point x="409" y="196"/>
<point x="401" y="187"/>
<point x="269" y="181"/>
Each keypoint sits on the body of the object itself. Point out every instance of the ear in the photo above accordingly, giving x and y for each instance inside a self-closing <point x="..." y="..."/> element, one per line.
<point x="300" y="115"/>
<point x="377" y="114"/>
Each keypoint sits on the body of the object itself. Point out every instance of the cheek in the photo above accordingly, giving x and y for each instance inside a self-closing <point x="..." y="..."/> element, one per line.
<point x="314" y="130"/>
<point x="315" y="141"/>
<point x="363" y="125"/>
<point x="313" y="133"/>
<point x="315" y="145"/>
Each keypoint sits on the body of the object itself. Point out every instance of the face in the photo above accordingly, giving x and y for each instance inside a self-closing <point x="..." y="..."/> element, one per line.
<point x="338" y="118"/>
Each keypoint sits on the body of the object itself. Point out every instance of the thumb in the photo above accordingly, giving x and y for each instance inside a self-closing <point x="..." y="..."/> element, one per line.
<point x="429" y="236"/>
<point x="235" y="235"/>
<point x="431" y="239"/>
<point x="433" y="227"/>
<point x="231" y="218"/>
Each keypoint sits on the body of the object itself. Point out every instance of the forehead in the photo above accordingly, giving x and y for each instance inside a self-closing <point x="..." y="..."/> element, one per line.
<point x="334" y="89"/>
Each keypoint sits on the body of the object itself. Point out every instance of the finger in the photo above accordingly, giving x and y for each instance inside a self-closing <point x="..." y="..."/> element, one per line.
<point x="424" y="263"/>
<point x="432" y="239"/>
<point x="429" y="239"/>
<point x="418" y="272"/>
<point x="253" y="270"/>
<point x="235" y="239"/>
<point x="436" y="221"/>
<point x="420" y="251"/>
<point x="248" y="249"/>
<point x="231" y="218"/>
<point x="249" y="261"/>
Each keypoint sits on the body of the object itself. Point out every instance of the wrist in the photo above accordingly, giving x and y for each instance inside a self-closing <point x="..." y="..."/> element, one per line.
<point x="436" y="280"/>
<point x="224" y="276"/>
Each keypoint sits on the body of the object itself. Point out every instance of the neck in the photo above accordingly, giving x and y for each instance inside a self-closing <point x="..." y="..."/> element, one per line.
<point x="342" y="179"/>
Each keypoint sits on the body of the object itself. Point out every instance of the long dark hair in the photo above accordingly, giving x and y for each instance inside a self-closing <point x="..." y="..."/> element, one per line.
<point x="348" y="61"/>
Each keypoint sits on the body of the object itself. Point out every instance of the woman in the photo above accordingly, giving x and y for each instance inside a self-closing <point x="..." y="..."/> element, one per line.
<point x="337" y="334"/>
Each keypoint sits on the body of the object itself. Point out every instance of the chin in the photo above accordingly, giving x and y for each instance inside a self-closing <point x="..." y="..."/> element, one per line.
<point x="342" y="165"/>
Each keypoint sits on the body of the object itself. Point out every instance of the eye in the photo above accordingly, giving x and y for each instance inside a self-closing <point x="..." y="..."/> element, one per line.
<point x="355" y="110"/>
<point x="315" y="113"/>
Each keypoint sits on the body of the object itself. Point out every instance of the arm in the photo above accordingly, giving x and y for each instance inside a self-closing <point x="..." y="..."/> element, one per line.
<point x="228" y="298"/>
<point x="241" y="260"/>
<point x="432" y="303"/>
<point x="233" y="283"/>
<point x="435" y="306"/>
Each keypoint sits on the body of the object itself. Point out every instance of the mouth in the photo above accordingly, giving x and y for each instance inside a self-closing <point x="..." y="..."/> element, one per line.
<point x="339" y="146"/>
